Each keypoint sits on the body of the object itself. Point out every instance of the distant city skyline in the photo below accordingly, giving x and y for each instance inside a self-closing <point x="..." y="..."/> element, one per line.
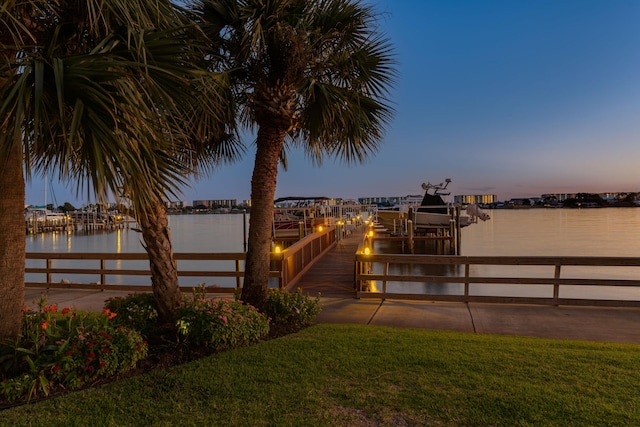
<point x="516" y="99"/>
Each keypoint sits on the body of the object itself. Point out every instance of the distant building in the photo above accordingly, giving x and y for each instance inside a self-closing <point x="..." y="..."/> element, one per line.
<point x="560" y="197"/>
<point x="222" y="203"/>
<point x="179" y="204"/>
<point x="380" y="201"/>
<point x="475" y="199"/>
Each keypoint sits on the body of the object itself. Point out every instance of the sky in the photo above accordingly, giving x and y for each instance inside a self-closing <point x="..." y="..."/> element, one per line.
<point x="512" y="98"/>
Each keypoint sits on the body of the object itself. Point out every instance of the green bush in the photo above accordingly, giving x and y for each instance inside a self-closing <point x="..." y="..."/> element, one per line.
<point x="219" y="324"/>
<point x="292" y="309"/>
<point x="65" y="349"/>
<point x="135" y="311"/>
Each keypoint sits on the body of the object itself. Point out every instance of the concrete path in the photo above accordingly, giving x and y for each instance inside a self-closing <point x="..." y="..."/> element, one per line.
<point x="581" y="323"/>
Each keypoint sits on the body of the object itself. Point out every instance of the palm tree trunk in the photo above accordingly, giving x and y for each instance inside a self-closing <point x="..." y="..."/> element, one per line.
<point x="164" y="272"/>
<point x="270" y="142"/>
<point x="12" y="239"/>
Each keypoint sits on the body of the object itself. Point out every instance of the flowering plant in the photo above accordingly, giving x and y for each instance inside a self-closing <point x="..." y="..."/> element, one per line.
<point x="219" y="324"/>
<point x="291" y="308"/>
<point x="135" y="311"/>
<point x="65" y="348"/>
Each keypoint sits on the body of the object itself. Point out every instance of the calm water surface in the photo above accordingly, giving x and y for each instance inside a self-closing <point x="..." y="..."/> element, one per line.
<point x="189" y="233"/>
<point x="545" y="232"/>
<point x="525" y="232"/>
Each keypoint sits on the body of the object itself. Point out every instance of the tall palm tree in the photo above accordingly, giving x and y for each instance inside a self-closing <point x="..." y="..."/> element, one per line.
<point x="313" y="73"/>
<point x="104" y="92"/>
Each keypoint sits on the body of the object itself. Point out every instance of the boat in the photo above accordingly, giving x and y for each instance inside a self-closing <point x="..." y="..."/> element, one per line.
<point x="431" y="212"/>
<point x="293" y="216"/>
<point x="44" y="215"/>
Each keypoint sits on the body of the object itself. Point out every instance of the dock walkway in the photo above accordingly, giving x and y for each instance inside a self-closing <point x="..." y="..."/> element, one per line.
<point x="333" y="278"/>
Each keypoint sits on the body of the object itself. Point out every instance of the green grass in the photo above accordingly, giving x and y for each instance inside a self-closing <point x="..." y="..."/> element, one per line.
<point x="331" y="375"/>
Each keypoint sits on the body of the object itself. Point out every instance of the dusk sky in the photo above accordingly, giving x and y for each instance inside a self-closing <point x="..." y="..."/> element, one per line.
<point x="512" y="98"/>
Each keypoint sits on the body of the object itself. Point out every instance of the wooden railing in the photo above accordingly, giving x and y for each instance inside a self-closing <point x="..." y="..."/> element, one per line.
<point x="287" y="267"/>
<point x="295" y="260"/>
<point x="366" y="279"/>
<point x="96" y="266"/>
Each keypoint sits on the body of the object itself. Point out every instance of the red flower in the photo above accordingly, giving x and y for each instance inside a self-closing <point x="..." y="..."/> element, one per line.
<point x="110" y="314"/>
<point x="44" y="325"/>
<point x="66" y="311"/>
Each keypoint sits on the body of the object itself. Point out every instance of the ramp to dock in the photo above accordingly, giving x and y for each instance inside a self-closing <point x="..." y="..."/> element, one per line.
<point x="333" y="274"/>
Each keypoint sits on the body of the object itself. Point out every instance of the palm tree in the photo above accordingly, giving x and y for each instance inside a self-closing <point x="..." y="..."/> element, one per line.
<point x="311" y="73"/>
<point x="105" y="94"/>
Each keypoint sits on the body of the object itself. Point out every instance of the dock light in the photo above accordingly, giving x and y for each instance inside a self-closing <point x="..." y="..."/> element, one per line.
<point x="370" y="233"/>
<point x="367" y="251"/>
<point x="277" y="249"/>
<point x="320" y="229"/>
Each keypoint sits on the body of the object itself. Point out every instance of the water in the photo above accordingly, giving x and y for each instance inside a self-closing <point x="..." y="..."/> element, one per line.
<point x="523" y="232"/>
<point x="189" y="233"/>
<point x="540" y="232"/>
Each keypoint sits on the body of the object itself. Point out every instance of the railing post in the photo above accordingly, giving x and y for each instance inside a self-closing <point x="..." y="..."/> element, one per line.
<point x="103" y="277"/>
<point x="556" y="285"/>
<point x="238" y="282"/>
<point x="384" y="282"/>
<point x="466" y="281"/>
<point x="48" y="262"/>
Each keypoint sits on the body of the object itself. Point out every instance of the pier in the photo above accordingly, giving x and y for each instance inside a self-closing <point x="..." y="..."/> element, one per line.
<point x="333" y="276"/>
<point x="78" y="222"/>
<point x="346" y="264"/>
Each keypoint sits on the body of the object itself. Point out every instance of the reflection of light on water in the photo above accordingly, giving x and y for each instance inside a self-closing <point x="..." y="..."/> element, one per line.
<point x="119" y="241"/>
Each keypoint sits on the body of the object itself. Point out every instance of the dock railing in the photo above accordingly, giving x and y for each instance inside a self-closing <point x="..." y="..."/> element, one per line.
<point x="373" y="274"/>
<point x="98" y="270"/>
<point x="295" y="260"/>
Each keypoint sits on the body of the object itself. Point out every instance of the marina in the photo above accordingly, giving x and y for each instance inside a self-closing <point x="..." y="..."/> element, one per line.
<point x="41" y="220"/>
<point x="566" y="254"/>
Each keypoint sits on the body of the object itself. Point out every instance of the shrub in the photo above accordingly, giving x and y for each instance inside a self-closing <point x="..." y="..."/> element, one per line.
<point x="219" y="324"/>
<point x="135" y="311"/>
<point x="294" y="310"/>
<point x="65" y="348"/>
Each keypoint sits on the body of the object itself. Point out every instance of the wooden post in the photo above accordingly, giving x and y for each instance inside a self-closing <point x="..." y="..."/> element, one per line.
<point x="48" y="271"/>
<point x="466" y="282"/>
<point x="410" y="236"/>
<point x="238" y="281"/>
<point x="556" y="285"/>
<point x="458" y="239"/>
<point x="103" y="277"/>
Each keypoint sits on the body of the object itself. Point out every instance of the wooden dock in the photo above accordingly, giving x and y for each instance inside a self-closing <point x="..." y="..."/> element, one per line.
<point x="333" y="275"/>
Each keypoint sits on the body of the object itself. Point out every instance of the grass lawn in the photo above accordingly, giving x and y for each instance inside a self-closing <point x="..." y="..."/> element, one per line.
<point x="334" y="375"/>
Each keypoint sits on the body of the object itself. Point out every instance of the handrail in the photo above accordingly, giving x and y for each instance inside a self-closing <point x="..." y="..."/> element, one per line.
<point x="287" y="267"/>
<point x="102" y="271"/>
<point x="295" y="260"/>
<point x="364" y="275"/>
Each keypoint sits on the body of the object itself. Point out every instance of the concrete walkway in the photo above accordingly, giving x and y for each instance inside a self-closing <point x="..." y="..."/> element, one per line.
<point x="581" y="323"/>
